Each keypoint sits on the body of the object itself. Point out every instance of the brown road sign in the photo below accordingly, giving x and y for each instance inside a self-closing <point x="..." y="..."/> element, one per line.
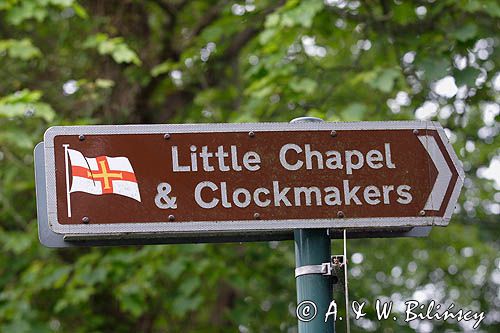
<point x="217" y="178"/>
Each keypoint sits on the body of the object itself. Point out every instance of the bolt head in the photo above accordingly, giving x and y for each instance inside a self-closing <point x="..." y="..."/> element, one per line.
<point x="333" y="133"/>
<point x="166" y="136"/>
<point x="85" y="220"/>
<point x="81" y="137"/>
<point x="256" y="216"/>
<point x="251" y="134"/>
<point x="415" y="131"/>
<point x="422" y="213"/>
<point x="340" y="214"/>
<point x="171" y="218"/>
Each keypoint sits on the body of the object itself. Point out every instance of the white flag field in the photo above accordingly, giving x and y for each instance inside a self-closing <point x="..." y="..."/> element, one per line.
<point x="101" y="175"/>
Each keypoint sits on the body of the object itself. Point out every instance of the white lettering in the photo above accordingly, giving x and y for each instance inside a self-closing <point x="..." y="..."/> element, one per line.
<point x="332" y="310"/>
<point x="234" y="159"/>
<point x="374" y="156"/>
<point x="307" y="191"/>
<point x="371" y="195"/>
<point x="194" y="162"/>
<point x="221" y="154"/>
<point x="410" y="315"/>
<point x="349" y="164"/>
<point x="205" y="155"/>
<point x="388" y="161"/>
<point x="284" y="162"/>
<point x="251" y="161"/>
<point x="309" y="158"/>
<point x="236" y="197"/>
<point x="256" y="197"/>
<point x="405" y="196"/>
<point x="175" y="162"/>
<point x="198" y="198"/>
<point x="334" y="160"/>
<point x="351" y="194"/>
<point x="223" y="190"/>
<point x="386" y="189"/>
<point x="332" y="197"/>
<point x="385" y="311"/>
<point x="280" y="195"/>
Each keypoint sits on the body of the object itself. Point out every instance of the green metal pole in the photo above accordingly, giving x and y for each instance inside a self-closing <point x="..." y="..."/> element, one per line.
<point x="314" y="291"/>
<point x="312" y="247"/>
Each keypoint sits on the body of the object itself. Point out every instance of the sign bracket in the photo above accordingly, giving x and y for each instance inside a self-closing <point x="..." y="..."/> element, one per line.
<point x="326" y="268"/>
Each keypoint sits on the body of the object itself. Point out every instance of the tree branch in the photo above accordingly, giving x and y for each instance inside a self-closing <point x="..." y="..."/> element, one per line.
<point x="178" y="99"/>
<point x="212" y="15"/>
<point x="242" y="38"/>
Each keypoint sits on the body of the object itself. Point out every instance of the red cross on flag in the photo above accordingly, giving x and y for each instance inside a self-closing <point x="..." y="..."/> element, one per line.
<point x="101" y="175"/>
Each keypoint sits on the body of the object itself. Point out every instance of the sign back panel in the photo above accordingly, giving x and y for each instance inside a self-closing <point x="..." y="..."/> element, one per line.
<point x="248" y="177"/>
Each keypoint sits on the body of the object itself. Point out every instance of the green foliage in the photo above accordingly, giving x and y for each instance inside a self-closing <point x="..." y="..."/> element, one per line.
<point x="66" y="62"/>
<point x="116" y="47"/>
<point x="21" y="49"/>
<point x="20" y="11"/>
<point x="467" y="76"/>
<point x="303" y="14"/>
<point x="25" y="103"/>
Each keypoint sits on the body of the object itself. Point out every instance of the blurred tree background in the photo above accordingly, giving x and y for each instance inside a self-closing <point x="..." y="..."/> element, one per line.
<point x="65" y="62"/>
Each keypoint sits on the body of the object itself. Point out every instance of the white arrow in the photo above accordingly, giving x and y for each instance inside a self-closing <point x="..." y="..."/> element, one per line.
<point x="444" y="173"/>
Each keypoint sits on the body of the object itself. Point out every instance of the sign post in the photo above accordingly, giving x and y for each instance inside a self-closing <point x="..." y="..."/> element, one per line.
<point x="314" y="291"/>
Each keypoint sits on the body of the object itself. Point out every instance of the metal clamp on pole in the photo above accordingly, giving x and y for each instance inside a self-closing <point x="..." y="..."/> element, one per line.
<point x="323" y="269"/>
<point x="326" y="268"/>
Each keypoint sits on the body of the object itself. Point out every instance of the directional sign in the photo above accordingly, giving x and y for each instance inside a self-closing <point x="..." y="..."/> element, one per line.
<point x="248" y="178"/>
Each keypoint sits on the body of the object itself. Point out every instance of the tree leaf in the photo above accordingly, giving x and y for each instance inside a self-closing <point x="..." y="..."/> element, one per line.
<point x="162" y="68"/>
<point x="116" y="47"/>
<point x="304" y="85"/>
<point x="354" y="112"/>
<point x="104" y="83"/>
<point x="124" y="54"/>
<point x="465" y="32"/>
<point x="434" y="69"/>
<point x="303" y="14"/>
<point x="382" y="79"/>
<point x="466" y="76"/>
<point x="20" y="49"/>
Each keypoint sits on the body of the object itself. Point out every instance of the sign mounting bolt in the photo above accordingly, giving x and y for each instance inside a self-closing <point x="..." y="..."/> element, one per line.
<point x="171" y="218"/>
<point x="256" y="216"/>
<point x="422" y="213"/>
<point x="415" y="131"/>
<point x="251" y="134"/>
<point x="81" y="137"/>
<point x="340" y="214"/>
<point x="333" y="133"/>
<point x="166" y="136"/>
<point x="85" y="220"/>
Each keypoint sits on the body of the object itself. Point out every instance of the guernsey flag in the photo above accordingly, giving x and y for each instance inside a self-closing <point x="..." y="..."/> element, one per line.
<point x="102" y="175"/>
